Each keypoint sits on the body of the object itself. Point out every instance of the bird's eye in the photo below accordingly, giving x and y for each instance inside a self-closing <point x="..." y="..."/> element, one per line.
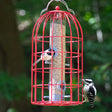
<point x="49" y="53"/>
<point x="88" y="81"/>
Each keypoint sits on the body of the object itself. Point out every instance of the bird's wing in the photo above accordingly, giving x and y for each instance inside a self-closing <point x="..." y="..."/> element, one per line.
<point x="91" y="92"/>
<point x="91" y="96"/>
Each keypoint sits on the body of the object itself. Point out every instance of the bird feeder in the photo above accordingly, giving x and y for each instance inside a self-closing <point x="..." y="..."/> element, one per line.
<point x="57" y="83"/>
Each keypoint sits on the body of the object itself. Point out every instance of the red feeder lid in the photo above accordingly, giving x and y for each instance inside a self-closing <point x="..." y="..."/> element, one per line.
<point x="57" y="8"/>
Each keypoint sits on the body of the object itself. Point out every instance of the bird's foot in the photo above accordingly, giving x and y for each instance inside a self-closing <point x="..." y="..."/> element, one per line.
<point x="85" y="101"/>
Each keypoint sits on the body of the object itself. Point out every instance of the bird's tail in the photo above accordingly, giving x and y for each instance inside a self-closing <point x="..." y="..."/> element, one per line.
<point x="91" y="102"/>
<point x="36" y="61"/>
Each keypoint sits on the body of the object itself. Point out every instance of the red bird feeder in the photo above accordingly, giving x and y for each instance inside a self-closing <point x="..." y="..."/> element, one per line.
<point x="57" y="59"/>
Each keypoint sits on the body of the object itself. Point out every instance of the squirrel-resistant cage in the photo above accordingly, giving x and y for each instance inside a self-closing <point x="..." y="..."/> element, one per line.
<point x="57" y="81"/>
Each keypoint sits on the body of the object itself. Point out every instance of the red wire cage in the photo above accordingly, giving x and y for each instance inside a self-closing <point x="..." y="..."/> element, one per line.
<point x="58" y="83"/>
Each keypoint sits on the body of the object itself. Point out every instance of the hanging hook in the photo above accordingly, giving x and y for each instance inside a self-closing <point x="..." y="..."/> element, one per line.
<point x="46" y="7"/>
<point x="70" y="10"/>
<point x="62" y="1"/>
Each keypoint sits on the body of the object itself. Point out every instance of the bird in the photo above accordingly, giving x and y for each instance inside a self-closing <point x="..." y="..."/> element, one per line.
<point x="46" y="56"/>
<point x="89" y="91"/>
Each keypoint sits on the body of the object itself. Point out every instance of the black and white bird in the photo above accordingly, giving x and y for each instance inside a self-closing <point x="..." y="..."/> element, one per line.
<point x="46" y="56"/>
<point x="89" y="91"/>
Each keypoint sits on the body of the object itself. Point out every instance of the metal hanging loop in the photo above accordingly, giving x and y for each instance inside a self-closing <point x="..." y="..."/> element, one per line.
<point x="62" y="1"/>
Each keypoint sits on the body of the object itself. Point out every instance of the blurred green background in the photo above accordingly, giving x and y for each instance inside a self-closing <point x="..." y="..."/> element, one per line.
<point x="17" y="18"/>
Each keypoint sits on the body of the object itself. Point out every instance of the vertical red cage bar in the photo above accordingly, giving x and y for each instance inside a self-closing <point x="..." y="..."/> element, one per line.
<point x="36" y="35"/>
<point x="70" y="57"/>
<point x="61" y="58"/>
<point x="78" y="68"/>
<point x="53" y="17"/>
<point x="81" y="50"/>
<point x="44" y="26"/>
<point x="78" y="63"/>
<point x="35" y="80"/>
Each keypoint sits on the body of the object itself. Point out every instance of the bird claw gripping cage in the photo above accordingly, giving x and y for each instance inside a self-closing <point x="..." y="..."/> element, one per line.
<point x="56" y="80"/>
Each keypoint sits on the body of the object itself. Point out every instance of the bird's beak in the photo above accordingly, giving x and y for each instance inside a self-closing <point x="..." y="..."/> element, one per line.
<point x="83" y="80"/>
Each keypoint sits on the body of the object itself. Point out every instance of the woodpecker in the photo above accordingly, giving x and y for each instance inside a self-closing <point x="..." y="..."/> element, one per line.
<point x="46" y="56"/>
<point x="89" y="91"/>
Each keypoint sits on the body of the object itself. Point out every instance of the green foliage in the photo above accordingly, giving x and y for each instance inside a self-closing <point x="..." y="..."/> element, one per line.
<point x="13" y="88"/>
<point x="100" y="52"/>
<point x="12" y="110"/>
